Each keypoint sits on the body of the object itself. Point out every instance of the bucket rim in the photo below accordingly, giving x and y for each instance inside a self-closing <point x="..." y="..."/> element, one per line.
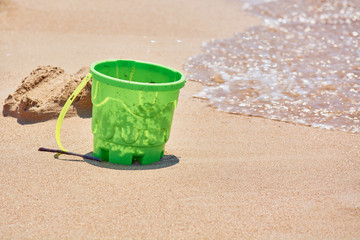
<point x="176" y="85"/>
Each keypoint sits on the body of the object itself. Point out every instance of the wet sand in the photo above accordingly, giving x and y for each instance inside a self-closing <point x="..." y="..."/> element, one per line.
<point x="224" y="176"/>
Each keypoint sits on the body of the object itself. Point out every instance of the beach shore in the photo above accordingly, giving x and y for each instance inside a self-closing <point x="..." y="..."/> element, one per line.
<point x="224" y="176"/>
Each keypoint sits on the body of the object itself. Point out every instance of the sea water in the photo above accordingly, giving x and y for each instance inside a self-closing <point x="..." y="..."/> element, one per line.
<point x="301" y="65"/>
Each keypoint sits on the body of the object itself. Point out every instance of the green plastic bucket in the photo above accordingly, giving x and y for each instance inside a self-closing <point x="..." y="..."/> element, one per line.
<point x="133" y="107"/>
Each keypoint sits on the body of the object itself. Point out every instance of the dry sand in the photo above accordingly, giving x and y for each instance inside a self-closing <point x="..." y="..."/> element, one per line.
<point x="224" y="176"/>
<point x="42" y="94"/>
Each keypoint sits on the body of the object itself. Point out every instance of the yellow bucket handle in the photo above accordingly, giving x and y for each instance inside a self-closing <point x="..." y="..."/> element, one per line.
<point x="66" y="108"/>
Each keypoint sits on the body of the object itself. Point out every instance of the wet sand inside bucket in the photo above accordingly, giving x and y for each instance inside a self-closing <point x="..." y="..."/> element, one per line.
<point x="138" y="72"/>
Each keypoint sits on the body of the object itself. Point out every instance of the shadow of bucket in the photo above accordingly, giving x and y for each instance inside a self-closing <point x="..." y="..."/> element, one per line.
<point x="164" y="162"/>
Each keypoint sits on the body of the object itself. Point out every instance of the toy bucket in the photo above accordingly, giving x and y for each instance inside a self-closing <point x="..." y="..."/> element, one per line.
<point x="133" y="107"/>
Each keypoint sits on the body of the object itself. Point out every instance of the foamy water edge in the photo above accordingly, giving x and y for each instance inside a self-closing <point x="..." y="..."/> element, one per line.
<point x="302" y="65"/>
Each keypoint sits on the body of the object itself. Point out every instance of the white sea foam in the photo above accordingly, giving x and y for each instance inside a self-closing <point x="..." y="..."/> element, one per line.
<point x="302" y="65"/>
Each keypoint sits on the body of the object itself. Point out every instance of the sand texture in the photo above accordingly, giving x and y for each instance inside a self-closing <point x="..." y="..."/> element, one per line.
<point x="43" y="93"/>
<point x="223" y="176"/>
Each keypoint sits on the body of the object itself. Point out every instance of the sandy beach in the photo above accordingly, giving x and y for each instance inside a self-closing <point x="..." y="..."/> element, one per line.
<point x="223" y="176"/>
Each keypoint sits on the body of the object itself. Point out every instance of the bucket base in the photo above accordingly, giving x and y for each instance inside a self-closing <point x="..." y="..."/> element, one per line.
<point x="126" y="155"/>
